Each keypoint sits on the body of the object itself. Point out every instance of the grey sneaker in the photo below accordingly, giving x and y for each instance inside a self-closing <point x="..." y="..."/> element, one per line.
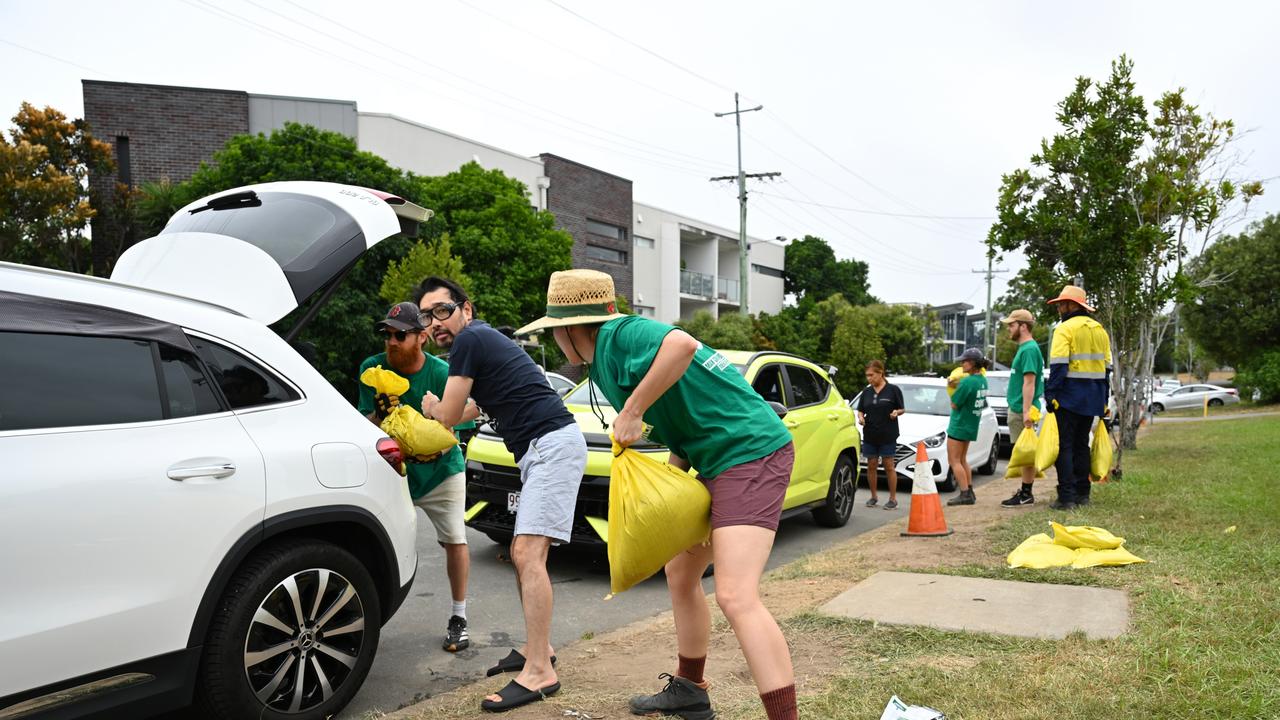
<point x="680" y="698"/>
<point x="964" y="497"/>
<point x="455" y="637"/>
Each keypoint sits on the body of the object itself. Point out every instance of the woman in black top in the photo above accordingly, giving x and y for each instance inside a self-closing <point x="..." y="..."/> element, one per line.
<point x="879" y="406"/>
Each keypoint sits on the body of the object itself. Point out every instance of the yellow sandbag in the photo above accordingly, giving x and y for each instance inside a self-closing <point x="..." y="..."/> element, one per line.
<point x="1016" y="472"/>
<point x="655" y="512"/>
<point x="1039" y="551"/>
<point x="384" y="381"/>
<point x="1047" y="443"/>
<point x="1086" y="557"/>
<point x="417" y="435"/>
<point x="1101" y="454"/>
<point x="1024" y="451"/>
<point x="1084" y="536"/>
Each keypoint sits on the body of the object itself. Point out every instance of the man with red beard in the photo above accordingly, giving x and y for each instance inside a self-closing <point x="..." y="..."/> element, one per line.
<point x="437" y="484"/>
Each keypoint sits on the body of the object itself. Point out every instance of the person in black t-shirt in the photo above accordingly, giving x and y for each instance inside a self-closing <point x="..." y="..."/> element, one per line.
<point x="549" y="449"/>
<point x="879" y="406"/>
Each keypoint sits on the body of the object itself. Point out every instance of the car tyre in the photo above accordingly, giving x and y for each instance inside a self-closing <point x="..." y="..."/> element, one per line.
<point x="293" y="635"/>
<point x="989" y="467"/>
<point x="949" y="483"/>
<point x="839" y="505"/>
<point x="1215" y="402"/>
<point x="500" y="537"/>
<point x="1157" y="408"/>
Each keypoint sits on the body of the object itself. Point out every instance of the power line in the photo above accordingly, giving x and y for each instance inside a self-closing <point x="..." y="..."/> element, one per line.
<point x="52" y="57"/>
<point x="881" y="212"/>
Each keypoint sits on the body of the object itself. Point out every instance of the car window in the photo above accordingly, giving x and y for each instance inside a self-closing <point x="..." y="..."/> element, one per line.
<point x="806" y="387"/>
<point x="71" y="380"/>
<point x="925" y="399"/>
<point x="768" y="383"/>
<point x="997" y="385"/>
<point x="187" y="391"/>
<point x="243" y="382"/>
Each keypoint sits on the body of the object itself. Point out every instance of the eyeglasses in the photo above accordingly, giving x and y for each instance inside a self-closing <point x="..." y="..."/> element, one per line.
<point x="443" y="311"/>
<point x="399" y="335"/>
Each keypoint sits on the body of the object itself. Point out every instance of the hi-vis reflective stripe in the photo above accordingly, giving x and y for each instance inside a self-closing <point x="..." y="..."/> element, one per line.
<point x="1088" y="375"/>
<point x="1087" y="356"/>
<point x="1059" y="360"/>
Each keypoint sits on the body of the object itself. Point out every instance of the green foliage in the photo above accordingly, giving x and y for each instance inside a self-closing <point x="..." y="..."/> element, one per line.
<point x="733" y="331"/>
<point x="44" y="201"/>
<point x="495" y="230"/>
<point x="423" y="260"/>
<point x="1261" y="376"/>
<point x="854" y="343"/>
<point x="1236" y="316"/>
<point x="812" y="270"/>
<point x="1006" y="348"/>
<point x="901" y="335"/>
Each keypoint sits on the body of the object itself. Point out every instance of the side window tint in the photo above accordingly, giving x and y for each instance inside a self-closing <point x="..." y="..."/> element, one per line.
<point x="70" y="380"/>
<point x="243" y="382"/>
<point x="807" y="387"/>
<point x="769" y="384"/>
<point x="187" y="389"/>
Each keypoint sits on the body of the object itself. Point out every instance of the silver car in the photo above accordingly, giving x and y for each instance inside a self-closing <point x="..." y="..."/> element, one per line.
<point x="1193" y="396"/>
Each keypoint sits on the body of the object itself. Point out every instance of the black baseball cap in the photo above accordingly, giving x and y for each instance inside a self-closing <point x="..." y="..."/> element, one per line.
<point x="973" y="354"/>
<point x="402" y="316"/>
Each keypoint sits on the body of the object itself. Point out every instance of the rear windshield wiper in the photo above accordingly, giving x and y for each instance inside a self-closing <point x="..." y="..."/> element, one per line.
<point x="245" y="198"/>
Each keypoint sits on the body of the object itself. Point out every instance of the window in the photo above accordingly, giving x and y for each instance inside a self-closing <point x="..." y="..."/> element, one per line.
<point x="644" y="310"/>
<point x="612" y="232"/>
<point x="243" y="382"/>
<point x="285" y="225"/>
<point x="769" y="383"/>
<point x="597" y="252"/>
<point x="807" y="388"/>
<point x="70" y="380"/>
<point x="764" y="270"/>
<point x="124" y="167"/>
<point x="645" y="242"/>
<point x="187" y="391"/>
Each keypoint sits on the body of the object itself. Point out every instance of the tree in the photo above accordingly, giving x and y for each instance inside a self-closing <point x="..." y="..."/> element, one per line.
<point x="1236" y="314"/>
<point x="44" y="196"/>
<point x="901" y="336"/>
<point x="423" y="260"/>
<point x="733" y="331"/>
<point x="494" y="228"/>
<point x="1110" y="200"/>
<point x="854" y="343"/>
<point x="812" y="270"/>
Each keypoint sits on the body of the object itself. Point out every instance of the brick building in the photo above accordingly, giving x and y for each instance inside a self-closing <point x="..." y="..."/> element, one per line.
<point x="595" y="208"/>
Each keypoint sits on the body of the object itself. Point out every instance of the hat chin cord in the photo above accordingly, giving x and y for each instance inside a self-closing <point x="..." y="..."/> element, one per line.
<point x="591" y="386"/>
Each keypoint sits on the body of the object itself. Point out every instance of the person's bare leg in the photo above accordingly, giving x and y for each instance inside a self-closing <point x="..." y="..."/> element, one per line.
<point x="1028" y="474"/>
<point x="529" y="555"/>
<point x="956" y="450"/>
<point x="689" y="602"/>
<point x="457" y="565"/>
<point x="740" y="553"/>
<point x="873" y="477"/>
<point x="890" y="477"/>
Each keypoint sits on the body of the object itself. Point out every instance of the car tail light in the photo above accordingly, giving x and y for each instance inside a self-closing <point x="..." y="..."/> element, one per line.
<point x="1233" y="391"/>
<point x="390" y="451"/>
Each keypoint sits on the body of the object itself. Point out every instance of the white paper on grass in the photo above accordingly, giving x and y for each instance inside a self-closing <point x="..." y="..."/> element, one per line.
<point x="898" y="710"/>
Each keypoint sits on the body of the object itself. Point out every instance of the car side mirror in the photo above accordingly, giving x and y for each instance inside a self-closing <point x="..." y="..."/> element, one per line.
<point x="778" y="408"/>
<point x="563" y="391"/>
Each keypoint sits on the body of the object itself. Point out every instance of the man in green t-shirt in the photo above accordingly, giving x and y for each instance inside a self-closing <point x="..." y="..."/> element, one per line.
<point x="437" y="485"/>
<point x="1026" y="385"/>
<point x="703" y="410"/>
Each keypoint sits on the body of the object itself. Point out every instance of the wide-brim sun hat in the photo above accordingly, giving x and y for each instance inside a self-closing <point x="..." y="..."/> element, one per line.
<point x="577" y="297"/>
<point x="1074" y="294"/>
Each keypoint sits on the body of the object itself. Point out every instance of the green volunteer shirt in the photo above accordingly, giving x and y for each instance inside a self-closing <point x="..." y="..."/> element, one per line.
<point x="1027" y="360"/>
<point x="422" y="477"/>
<point x="969" y="400"/>
<point x="710" y="416"/>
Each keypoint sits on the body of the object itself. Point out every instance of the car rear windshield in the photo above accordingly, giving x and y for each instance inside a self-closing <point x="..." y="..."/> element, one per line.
<point x="284" y="225"/>
<point x="997" y="385"/>
<point x="925" y="399"/>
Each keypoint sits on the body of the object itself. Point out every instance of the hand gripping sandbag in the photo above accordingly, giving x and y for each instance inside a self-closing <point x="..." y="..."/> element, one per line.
<point x="1024" y="451"/>
<point x="1047" y="443"/>
<point x="656" y="512"/>
<point x="1101" y="454"/>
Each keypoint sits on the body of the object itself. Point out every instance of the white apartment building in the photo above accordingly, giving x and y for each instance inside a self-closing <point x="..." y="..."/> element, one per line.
<point x="683" y="265"/>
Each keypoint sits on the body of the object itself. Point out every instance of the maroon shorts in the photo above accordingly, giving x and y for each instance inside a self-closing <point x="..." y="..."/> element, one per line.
<point x="752" y="493"/>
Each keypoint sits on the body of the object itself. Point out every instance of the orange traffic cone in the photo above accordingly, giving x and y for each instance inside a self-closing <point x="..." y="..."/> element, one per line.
<point x="926" y="507"/>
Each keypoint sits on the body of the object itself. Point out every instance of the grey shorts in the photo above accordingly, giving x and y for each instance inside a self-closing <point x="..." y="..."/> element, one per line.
<point x="550" y="473"/>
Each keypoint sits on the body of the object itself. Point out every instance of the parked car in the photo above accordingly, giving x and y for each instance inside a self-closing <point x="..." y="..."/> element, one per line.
<point x="823" y="480"/>
<point x="561" y="384"/>
<point x="189" y="507"/>
<point x="928" y="413"/>
<point x="1193" y="396"/>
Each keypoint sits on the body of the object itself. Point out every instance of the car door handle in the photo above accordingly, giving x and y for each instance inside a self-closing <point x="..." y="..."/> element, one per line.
<point x="833" y="416"/>
<point x="791" y="423"/>
<point x="207" y="467"/>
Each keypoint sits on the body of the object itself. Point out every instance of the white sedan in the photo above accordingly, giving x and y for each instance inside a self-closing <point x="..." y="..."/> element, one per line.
<point x="928" y="412"/>
<point x="1193" y="396"/>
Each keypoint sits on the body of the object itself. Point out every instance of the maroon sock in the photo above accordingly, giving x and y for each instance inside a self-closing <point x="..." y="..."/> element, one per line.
<point x="691" y="668"/>
<point x="780" y="704"/>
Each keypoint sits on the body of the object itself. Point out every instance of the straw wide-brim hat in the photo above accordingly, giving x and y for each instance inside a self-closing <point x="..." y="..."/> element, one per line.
<point x="1074" y="294"/>
<point x="577" y="297"/>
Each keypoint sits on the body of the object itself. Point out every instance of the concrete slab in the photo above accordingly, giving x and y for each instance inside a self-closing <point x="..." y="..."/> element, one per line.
<point x="1003" y="607"/>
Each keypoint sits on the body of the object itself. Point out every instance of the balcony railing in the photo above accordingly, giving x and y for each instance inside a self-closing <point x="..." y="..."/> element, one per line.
<point x="727" y="289"/>
<point x="696" y="283"/>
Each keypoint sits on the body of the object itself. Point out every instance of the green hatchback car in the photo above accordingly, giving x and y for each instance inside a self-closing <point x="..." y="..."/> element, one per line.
<point x="823" y="480"/>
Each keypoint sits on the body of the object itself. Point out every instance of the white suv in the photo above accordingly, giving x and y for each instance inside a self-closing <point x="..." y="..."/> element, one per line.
<point x="186" y="505"/>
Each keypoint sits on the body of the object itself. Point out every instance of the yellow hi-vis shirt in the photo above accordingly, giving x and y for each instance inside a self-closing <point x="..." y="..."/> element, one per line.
<point x="1079" y="358"/>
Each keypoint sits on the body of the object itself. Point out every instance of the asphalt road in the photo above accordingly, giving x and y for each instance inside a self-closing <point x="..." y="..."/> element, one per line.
<point x="411" y="667"/>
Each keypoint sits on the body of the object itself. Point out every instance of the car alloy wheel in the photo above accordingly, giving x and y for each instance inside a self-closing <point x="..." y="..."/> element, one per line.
<point x="304" y="640"/>
<point x="839" y="505"/>
<point x="1215" y="402"/>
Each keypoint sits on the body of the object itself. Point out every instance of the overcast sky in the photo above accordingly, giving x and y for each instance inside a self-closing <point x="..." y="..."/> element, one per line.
<point x="899" y="108"/>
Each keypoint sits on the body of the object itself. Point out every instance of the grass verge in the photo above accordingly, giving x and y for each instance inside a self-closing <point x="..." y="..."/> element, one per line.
<point x="1205" y="637"/>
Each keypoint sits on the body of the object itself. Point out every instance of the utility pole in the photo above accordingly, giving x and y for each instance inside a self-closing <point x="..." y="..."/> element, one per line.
<point x="743" y="263"/>
<point x="990" y="272"/>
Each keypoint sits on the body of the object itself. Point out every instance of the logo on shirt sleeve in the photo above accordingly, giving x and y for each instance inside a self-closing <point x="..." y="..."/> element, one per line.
<point x="716" y="362"/>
